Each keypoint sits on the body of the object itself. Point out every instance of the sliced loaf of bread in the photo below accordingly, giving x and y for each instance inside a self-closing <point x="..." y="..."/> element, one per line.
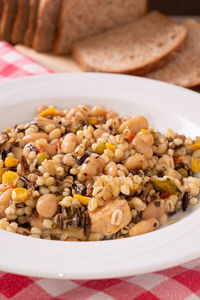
<point x="135" y="48"/>
<point x="32" y="21"/>
<point x="184" y="69"/>
<point x="21" y="22"/>
<point x="47" y="22"/>
<point x="7" y="19"/>
<point x="83" y="18"/>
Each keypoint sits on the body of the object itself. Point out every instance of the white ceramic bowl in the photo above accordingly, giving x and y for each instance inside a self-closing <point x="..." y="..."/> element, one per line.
<point x="165" y="106"/>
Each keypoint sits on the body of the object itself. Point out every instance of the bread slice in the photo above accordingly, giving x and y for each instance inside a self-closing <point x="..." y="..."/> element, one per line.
<point x="21" y="22"/>
<point x="135" y="48"/>
<point x="32" y="21"/>
<point x="1" y="8"/>
<point x="7" y="19"/>
<point x="184" y="69"/>
<point x="48" y="16"/>
<point x="83" y="18"/>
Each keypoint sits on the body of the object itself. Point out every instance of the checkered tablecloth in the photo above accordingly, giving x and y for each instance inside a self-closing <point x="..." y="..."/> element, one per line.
<point x="182" y="282"/>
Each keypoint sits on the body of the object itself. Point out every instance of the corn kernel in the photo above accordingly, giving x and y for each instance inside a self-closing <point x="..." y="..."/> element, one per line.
<point x="134" y="187"/>
<point x="10" y="177"/>
<point x="50" y="111"/>
<point x="195" y="165"/>
<point x="93" y="121"/>
<point x="20" y="195"/>
<point x="110" y="147"/>
<point x="144" y="130"/>
<point x="99" y="148"/>
<point x="41" y="157"/>
<point x="11" y="162"/>
<point x="3" y="224"/>
<point x="195" y="146"/>
<point x="82" y="199"/>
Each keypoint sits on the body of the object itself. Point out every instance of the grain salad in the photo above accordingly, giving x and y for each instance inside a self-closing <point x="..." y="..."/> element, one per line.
<point x="87" y="174"/>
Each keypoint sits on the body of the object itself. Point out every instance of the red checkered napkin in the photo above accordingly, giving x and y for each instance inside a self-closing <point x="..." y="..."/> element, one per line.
<point x="179" y="283"/>
<point x="13" y="64"/>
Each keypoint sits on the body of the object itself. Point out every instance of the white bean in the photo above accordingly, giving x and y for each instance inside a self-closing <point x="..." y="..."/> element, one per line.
<point x="69" y="143"/>
<point x="134" y="162"/>
<point x="144" y="227"/>
<point x="34" y="137"/>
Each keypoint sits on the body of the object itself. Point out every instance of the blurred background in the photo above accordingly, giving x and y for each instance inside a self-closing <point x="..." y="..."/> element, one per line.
<point x="176" y="7"/>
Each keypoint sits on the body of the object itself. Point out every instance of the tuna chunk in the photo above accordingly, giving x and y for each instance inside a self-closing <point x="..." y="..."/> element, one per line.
<point x="110" y="218"/>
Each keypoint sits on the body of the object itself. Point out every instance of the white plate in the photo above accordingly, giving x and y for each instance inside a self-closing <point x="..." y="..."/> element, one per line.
<point x="165" y="106"/>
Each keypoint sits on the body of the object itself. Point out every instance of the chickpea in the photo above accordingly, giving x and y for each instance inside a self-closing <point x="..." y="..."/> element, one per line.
<point x="98" y="111"/>
<point x="34" y="137"/>
<point x="144" y="227"/>
<point x="92" y="167"/>
<point x="41" y="108"/>
<point x="134" y="162"/>
<point x="50" y="149"/>
<point x="154" y="209"/>
<point x="5" y="199"/>
<point x="55" y="134"/>
<point x="111" y="169"/>
<point x="98" y="133"/>
<point x="69" y="143"/>
<point x="142" y="147"/>
<point x="47" y="205"/>
<point x="135" y="124"/>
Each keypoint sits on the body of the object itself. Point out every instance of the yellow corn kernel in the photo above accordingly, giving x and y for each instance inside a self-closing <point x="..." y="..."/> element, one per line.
<point x="3" y="224"/>
<point x="20" y="195"/>
<point x="100" y="148"/>
<point x="144" y="130"/>
<point x="93" y="121"/>
<point x="82" y="199"/>
<point x="41" y="157"/>
<point x="134" y="187"/>
<point x="50" y="111"/>
<point x="110" y="147"/>
<point x="11" y="162"/>
<point x="195" y="146"/>
<point x="10" y="177"/>
<point x="195" y="164"/>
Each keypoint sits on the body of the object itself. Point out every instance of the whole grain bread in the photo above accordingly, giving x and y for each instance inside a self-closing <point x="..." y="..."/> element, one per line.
<point x="21" y="22"/>
<point x="7" y="19"/>
<point x="184" y="69"/>
<point x="32" y="21"/>
<point x="84" y="18"/>
<point x="1" y="8"/>
<point x="47" y="22"/>
<point x="135" y="48"/>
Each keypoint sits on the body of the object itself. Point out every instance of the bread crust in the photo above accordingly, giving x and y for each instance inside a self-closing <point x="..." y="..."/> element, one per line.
<point x="32" y="20"/>
<point x="21" y="22"/>
<point x="48" y="15"/>
<point x="7" y="19"/>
